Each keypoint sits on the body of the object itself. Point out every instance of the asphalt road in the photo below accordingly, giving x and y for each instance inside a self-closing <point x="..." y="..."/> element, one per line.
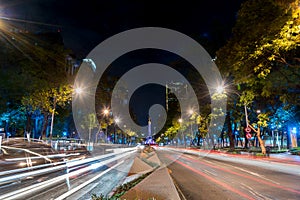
<point x="209" y="178"/>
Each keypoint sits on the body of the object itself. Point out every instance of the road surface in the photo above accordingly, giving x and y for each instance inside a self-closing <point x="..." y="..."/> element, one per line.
<point x="210" y="178"/>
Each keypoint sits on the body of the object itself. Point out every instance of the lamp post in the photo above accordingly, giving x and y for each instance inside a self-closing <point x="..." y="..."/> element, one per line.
<point x="117" y="120"/>
<point x="52" y="118"/>
<point x="106" y="112"/>
<point x="180" y="121"/>
<point x="191" y="112"/>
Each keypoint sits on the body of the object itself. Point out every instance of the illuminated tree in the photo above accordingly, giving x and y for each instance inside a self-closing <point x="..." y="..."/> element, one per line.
<point x="262" y="54"/>
<point x="47" y="100"/>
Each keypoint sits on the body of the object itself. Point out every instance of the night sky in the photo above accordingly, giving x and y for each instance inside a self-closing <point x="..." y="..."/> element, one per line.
<point x="86" y="23"/>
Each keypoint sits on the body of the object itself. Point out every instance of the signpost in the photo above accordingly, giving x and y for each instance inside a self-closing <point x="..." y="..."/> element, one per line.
<point x="248" y="132"/>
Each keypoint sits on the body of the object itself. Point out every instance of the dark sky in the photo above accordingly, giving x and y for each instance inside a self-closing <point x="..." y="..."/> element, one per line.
<point x="85" y="23"/>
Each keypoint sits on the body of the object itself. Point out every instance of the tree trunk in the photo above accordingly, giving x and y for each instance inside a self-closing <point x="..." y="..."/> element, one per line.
<point x="28" y="122"/>
<point x="222" y="139"/>
<point x="45" y="124"/>
<point x="198" y="139"/>
<point x="261" y="142"/>
<point x="246" y="139"/>
<point x="231" y="139"/>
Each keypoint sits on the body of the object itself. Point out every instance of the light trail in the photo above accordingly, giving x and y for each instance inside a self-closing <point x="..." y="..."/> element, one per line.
<point x="243" y="175"/>
<point x="72" y="191"/>
<point x="28" y="151"/>
<point x="33" y="189"/>
<point x="72" y="164"/>
<point x="222" y="184"/>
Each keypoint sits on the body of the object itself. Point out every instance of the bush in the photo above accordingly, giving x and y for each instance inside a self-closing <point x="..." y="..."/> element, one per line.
<point x="260" y="155"/>
<point x="295" y="151"/>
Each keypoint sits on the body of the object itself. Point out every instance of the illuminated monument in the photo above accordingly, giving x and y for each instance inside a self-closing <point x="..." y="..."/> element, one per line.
<point x="149" y="139"/>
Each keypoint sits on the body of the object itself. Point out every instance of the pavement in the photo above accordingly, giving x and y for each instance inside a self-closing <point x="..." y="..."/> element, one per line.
<point x="286" y="157"/>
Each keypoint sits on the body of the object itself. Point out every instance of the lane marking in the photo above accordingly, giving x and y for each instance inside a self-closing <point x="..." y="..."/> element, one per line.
<point x="209" y="172"/>
<point x="248" y="177"/>
<point x="256" y="174"/>
<point x="255" y="193"/>
<point x="222" y="184"/>
<point x="244" y="170"/>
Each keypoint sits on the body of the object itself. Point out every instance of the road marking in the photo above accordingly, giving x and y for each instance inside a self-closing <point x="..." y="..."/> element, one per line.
<point x="259" y="180"/>
<point x="256" y="174"/>
<point x="222" y="184"/>
<point x="209" y="172"/>
<point x="244" y="170"/>
<point x="255" y="193"/>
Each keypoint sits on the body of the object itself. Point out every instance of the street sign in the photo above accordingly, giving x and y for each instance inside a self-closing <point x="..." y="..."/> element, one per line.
<point x="248" y="129"/>
<point x="248" y="136"/>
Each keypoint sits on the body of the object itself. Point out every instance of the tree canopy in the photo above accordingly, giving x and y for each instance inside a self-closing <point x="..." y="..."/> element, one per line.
<point x="262" y="52"/>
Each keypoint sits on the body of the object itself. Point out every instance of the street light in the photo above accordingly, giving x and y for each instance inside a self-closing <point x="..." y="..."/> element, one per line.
<point x="221" y="90"/>
<point x="180" y="121"/>
<point x="106" y="112"/>
<point x="191" y="112"/>
<point x="117" y="120"/>
<point x="78" y="90"/>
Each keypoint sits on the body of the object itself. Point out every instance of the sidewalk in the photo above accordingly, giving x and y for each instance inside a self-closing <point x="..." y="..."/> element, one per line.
<point x="286" y="157"/>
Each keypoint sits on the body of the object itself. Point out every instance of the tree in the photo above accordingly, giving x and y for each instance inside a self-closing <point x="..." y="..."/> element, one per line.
<point x="262" y="53"/>
<point x="31" y="64"/>
<point x="261" y="56"/>
<point x="47" y="100"/>
<point x="265" y="32"/>
<point x="202" y="122"/>
<point x="88" y="123"/>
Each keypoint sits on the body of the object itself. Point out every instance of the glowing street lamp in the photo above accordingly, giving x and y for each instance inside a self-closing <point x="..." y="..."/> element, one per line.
<point x="191" y="112"/>
<point x="117" y="120"/>
<point x="105" y="113"/>
<point x="221" y="90"/>
<point x="78" y="90"/>
<point x="180" y="120"/>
